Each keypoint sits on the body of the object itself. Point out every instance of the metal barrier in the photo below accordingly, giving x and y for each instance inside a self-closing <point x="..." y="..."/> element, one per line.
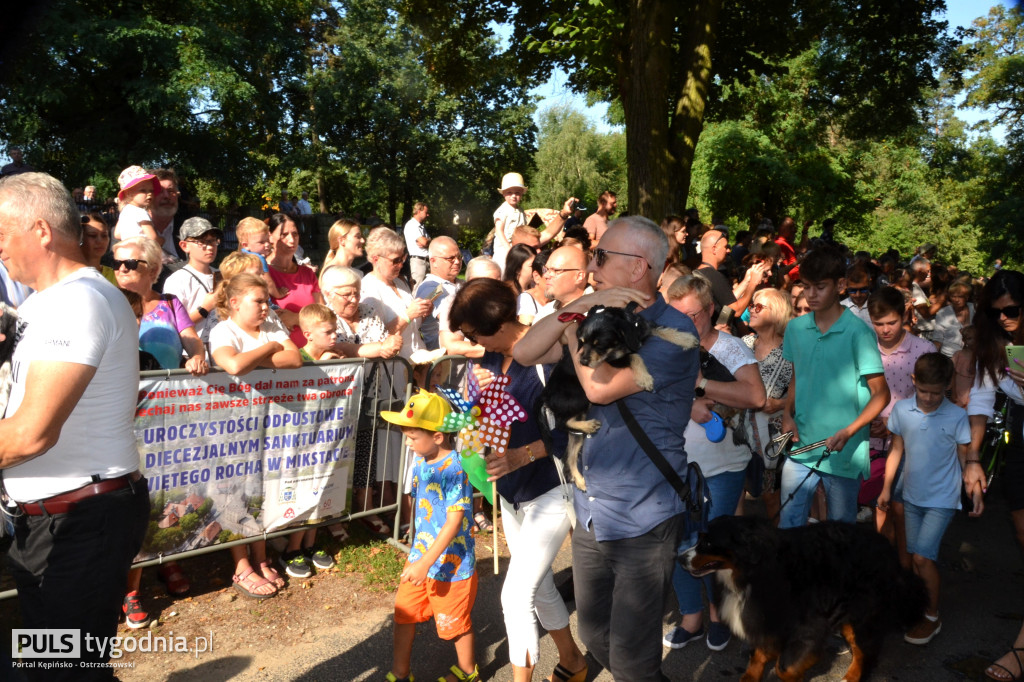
<point x="379" y="392"/>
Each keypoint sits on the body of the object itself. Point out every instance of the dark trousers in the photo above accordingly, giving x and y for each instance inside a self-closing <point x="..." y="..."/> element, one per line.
<point x="71" y="570"/>
<point x="621" y="587"/>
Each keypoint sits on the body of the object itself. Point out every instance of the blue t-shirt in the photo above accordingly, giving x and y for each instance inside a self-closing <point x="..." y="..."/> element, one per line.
<point x="538" y="477"/>
<point x="263" y="261"/>
<point x="438" y="488"/>
<point x="831" y="372"/>
<point x="931" y="468"/>
<point x="626" y="494"/>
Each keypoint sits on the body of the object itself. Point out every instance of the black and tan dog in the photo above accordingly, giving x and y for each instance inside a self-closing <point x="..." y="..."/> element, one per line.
<point x="607" y="335"/>
<point x="786" y="591"/>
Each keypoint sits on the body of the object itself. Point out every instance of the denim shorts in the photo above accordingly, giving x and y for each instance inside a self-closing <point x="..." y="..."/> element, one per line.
<point x="925" y="527"/>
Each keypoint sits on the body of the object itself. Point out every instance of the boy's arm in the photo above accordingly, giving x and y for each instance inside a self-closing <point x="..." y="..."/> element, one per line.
<point x="892" y="463"/>
<point x="416" y="571"/>
<point x="974" y="484"/>
<point x="879" y="399"/>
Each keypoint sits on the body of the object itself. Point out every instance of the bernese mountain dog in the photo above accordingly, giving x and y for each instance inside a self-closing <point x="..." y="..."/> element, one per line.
<point x="786" y="591"/>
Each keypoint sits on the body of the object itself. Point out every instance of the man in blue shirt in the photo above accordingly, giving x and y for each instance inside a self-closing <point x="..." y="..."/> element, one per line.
<point x="630" y="517"/>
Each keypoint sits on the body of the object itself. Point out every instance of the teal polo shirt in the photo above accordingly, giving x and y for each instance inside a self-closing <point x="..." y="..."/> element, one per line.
<point x="830" y="370"/>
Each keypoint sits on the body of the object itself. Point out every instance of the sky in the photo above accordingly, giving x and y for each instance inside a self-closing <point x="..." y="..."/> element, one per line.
<point x="554" y="92"/>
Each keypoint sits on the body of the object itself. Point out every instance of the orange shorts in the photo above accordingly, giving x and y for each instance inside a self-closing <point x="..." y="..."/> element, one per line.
<point x="450" y="604"/>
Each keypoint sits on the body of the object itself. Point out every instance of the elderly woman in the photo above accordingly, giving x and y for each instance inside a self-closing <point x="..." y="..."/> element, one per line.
<point x="346" y="241"/>
<point x="388" y="295"/>
<point x="533" y="499"/>
<point x="362" y="334"/>
<point x="953" y="317"/>
<point x="165" y="329"/>
<point x="95" y="242"/>
<point x="724" y="463"/>
<point x="770" y="312"/>
<point x="298" y="280"/>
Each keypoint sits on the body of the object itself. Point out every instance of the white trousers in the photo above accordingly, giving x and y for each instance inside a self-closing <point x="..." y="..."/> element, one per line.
<point x="534" y="535"/>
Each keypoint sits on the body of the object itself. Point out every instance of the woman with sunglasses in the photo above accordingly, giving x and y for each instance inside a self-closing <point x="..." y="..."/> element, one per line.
<point x="999" y="323"/>
<point x="770" y="313"/>
<point x="299" y="281"/>
<point x="165" y="329"/>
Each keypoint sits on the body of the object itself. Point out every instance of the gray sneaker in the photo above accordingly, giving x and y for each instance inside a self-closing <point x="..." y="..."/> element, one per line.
<point x="297" y="566"/>
<point x="321" y="559"/>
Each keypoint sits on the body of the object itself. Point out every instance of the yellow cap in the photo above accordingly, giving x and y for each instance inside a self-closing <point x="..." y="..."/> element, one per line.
<point x="424" y="410"/>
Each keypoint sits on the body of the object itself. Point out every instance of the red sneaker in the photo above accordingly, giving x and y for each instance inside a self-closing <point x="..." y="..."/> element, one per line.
<point x="135" y="616"/>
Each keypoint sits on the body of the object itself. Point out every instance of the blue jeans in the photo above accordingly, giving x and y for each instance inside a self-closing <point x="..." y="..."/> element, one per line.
<point x="841" y="493"/>
<point x="925" y="528"/>
<point x="725" y="489"/>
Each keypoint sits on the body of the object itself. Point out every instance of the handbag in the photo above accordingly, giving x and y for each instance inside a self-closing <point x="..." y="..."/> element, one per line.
<point x="694" y="491"/>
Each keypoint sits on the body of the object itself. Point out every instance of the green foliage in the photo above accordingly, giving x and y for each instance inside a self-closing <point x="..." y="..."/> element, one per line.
<point x="573" y="159"/>
<point x="189" y="523"/>
<point x="167" y="539"/>
<point x="204" y="508"/>
<point x="379" y="563"/>
<point x="224" y="536"/>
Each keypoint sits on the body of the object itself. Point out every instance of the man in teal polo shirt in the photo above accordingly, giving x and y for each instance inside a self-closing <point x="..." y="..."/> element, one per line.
<point x="838" y="387"/>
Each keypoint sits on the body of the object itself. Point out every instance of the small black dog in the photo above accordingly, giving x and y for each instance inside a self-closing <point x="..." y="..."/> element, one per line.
<point x="785" y="591"/>
<point x="607" y="335"/>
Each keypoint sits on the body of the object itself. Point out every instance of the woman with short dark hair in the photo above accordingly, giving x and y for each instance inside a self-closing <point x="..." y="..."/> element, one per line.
<point x="533" y="497"/>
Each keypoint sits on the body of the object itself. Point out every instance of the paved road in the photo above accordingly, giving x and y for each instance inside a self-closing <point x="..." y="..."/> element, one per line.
<point x="982" y="608"/>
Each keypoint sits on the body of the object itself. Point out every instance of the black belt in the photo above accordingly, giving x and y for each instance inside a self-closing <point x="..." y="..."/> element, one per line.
<point x="65" y="502"/>
<point x="420" y="257"/>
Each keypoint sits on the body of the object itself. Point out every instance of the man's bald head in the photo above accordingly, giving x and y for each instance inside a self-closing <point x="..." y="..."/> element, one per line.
<point x="713" y="247"/>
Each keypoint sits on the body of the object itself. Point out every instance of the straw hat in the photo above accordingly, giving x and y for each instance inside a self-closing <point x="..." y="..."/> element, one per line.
<point x="511" y="180"/>
<point x="133" y="175"/>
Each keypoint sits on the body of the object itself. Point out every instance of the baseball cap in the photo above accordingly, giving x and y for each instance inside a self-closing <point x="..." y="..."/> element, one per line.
<point x="196" y="227"/>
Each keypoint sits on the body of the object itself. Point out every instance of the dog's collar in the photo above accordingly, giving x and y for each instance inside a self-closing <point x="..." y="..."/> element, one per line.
<point x="571" y="317"/>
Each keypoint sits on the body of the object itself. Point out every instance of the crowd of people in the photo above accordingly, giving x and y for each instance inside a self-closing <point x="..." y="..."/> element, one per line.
<point x="779" y="317"/>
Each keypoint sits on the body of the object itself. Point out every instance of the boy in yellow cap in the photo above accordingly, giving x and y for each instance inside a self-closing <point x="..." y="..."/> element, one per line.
<point x="438" y="579"/>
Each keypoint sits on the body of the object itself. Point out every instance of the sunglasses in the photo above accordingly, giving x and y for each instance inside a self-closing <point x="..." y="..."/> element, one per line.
<point x="859" y="290"/>
<point x="757" y="307"/>
<point x="393" y="261"/>
<point x="129" y="264"/>
<point x="601" y="256"/>
<point x="471" y="337"/>
<point x="1011" y="311"/>
<point x="555" y="272"/>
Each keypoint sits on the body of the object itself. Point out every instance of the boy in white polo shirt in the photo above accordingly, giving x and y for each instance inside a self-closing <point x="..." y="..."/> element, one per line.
<point x="934" y="434"/>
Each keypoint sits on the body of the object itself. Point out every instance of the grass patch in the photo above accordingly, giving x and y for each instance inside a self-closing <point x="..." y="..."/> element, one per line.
<point x="375" y="560"/>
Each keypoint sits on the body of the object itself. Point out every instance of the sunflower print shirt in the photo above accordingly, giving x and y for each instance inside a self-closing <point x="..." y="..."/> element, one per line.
<point x="437" y="488"/>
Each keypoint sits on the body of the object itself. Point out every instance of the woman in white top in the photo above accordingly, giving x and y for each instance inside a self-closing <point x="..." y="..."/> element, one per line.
<point x="724" y="463"/>
<point x="952" y="318"/>
<point x="998" y="322"/>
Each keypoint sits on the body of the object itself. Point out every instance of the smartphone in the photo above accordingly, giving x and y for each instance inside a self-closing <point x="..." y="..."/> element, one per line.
<point x="725" y="316"/>
<point x="1015" y="357"/>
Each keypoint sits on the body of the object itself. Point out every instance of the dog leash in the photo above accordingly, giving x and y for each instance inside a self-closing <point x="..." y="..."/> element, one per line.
<point x="780" y="442"/>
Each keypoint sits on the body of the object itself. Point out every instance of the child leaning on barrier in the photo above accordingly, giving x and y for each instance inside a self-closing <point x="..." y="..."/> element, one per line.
<point x="439" y="577"/>
<point x="246" y="340"/>
<point x="319" y="325"/>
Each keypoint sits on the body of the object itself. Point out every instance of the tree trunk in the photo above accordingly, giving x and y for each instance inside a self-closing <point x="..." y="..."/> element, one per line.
<point x="644" y="82"/>
<point x="691" y="100"/>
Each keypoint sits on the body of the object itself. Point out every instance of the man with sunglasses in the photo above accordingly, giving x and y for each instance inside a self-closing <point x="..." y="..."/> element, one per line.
<point x="67" y="444"/>
<point x="630" y="519"/>
<point x="858" y="287"/>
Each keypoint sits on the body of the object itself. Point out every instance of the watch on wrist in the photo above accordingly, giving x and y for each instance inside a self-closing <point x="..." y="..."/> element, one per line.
<point x="699" y="391"/>
<point x="203" y="312"/>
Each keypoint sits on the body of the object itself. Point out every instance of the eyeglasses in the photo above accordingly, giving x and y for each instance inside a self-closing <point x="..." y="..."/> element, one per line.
<point x="351" y="296"/>
<point x="555" y="272"/>
<point x="129" y="264"/>
<point x="205" y="244"/>
<point x="451" y="259"/>
<point x="1011" y="312"/>
<point x="601" y="255"/>
<point x="470" y="336"/>
<point x="859" y="290"/>
<point x="393" y="261"/>
<point x="757" y="307"/>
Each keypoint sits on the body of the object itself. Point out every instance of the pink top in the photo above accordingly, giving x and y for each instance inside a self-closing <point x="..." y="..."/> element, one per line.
<point x="302" y="288"/>
<point x="899" y="366"/>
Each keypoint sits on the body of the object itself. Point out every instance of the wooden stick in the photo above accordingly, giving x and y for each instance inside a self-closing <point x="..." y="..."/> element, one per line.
<point x="494" y="523"/>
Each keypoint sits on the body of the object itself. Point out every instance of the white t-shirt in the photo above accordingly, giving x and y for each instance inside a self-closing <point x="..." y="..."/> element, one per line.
<point x="191" y="286"/>
<point x="413" y="230"/>
<point x="527" y="305"/>
<point x="510" y="218"/>
<point x="718" y="458"/>
<point x="227" y="333"/>
<point x="82" y="319"/>
<point x="387" y="304"/>
<point x="128" y="222"/>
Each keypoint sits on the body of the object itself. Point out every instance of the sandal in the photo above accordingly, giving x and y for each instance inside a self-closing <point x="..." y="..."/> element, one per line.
<point x="170" y="574"/>
<point x="561" y="674"/>
<point x="376" y="525"/>
<point x="339" y="532"/>
<point x="271" y="574"/>
<point x="460" y="675"/>
<point x="482" y="522"/>
<point x="249" y="582"/>
<point x="1000" y="673"/>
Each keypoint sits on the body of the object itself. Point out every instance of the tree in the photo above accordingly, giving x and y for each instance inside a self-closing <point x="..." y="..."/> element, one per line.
<point x="665" y="63"/>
